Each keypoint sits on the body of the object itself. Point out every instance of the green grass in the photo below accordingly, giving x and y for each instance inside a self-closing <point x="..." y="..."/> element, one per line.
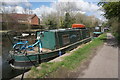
<point x="69" y="62"/>
<point x="117" y="35"/>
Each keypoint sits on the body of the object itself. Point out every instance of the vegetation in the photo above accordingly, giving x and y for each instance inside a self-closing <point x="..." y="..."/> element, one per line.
<point x="112" y="11"/>
<point x="69" y="62"/>
<point x="67" y="21"/>
<point x="66" y="14"/>
<point x="54" y="20"/>
<point x="51" y="23"/>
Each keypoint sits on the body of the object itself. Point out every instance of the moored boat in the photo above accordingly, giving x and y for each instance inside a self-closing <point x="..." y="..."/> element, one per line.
<point x="97" y="31"/>
<point x="49" y="44"/>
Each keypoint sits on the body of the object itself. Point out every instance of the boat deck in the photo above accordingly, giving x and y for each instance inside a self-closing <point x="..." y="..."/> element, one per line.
<point x="36" y="50"/>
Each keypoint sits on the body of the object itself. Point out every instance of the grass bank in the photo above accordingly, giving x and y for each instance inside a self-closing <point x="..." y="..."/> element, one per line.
<point x="117" y="35"/>
<point x="69" y="62"/>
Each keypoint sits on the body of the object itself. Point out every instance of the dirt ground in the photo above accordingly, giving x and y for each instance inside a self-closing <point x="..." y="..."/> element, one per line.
<point x="105" y="63"/>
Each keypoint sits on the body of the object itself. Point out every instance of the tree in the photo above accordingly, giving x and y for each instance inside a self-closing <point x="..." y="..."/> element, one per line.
<point x="51" y="22"/>
<point x="63" y="8"/>
<point x="67" y="13"/>
<point x="66" y="7"/>
<point x="112" y="13"/>
<point x="68" y="21"/>
<point x="111" y="9"/>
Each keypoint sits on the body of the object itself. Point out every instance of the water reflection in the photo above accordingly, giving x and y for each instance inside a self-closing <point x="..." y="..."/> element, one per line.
<point x="7" y="70"/>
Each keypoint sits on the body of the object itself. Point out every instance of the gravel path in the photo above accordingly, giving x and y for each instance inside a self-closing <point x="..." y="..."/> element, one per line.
<point x="105" y="63"/>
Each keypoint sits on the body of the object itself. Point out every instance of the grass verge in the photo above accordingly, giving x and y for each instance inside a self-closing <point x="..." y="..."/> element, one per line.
<point x="69" y="62"/>
<point x="117" y="35"/>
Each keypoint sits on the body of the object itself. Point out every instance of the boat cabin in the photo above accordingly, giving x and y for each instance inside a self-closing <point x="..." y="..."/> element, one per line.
<point x="55" y="39"/>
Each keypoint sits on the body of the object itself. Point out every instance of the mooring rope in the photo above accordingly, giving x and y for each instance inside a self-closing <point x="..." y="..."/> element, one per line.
<point x="23" y="74"/>
<point x="10" y="38"/>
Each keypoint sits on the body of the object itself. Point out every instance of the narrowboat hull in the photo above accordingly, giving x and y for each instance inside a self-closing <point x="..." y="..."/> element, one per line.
<point x="26" y="61"/>
<point x="96" y="34"/>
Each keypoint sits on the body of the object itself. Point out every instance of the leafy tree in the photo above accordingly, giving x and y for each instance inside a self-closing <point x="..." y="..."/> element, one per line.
<point x="51" y="23"/>
<point x="111" y="9"/>
<point x="71" y="16"/>
<point x="68" y="21"/>
<point x="112" y="13"/>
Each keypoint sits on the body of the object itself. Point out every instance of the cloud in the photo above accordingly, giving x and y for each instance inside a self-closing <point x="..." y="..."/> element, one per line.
<point x="43" y="10"/>
<point x="26" y="3"/>
<point x="81" y="7"/>
<point x="19" y="9"/>
<point x="17" y="5"/>
<point x="87" y="8"/>
<point x="82" y="12"/>
<point x="54" y="7"/>
<point x="11" y="2"/>
<point x="9" y="9"/>
<point x="90" y="9"/>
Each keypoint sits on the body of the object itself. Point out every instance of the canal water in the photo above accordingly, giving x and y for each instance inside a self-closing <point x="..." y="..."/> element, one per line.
<point x="7" y="71"/>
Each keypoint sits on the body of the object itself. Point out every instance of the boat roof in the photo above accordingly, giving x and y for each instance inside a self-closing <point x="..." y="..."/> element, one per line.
<point x="61" y="30"/>
<point x="97" y="32"/>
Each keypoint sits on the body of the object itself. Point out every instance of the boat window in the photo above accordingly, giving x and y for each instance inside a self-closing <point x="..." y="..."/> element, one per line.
<point x="65" y="39"/>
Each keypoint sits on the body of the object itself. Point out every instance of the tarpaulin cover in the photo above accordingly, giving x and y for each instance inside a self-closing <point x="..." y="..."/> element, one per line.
<point x="78" y="26"/>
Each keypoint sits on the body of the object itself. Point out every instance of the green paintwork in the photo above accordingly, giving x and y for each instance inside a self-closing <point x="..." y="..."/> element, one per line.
<point x="83" y="34"/>
<point x="97" y="32"/>
<point x="48" y="41"/>
<point x="25" y="58"/>
<point x="49" y="55"/>
<point x="34" y="56"/>
<point x="55" y="39"/>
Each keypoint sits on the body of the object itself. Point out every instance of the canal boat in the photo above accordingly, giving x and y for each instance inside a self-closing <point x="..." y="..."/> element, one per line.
<point x="49" y="44"/>
<point x="97" y="31"/>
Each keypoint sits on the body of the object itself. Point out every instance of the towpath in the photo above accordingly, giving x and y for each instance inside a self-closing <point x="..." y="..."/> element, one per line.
<point x="105" y="63"/>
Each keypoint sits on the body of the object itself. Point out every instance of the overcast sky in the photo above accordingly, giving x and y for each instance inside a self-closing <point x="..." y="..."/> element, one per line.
<point x="87" y="7"/>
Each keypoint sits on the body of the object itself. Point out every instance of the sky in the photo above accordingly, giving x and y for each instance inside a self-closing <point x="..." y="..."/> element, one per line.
<point x="39" y="7"/>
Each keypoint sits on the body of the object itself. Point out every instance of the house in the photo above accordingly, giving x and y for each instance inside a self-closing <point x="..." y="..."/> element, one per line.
<point x="31" y="19"/>
<point x="14" y="21"/>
